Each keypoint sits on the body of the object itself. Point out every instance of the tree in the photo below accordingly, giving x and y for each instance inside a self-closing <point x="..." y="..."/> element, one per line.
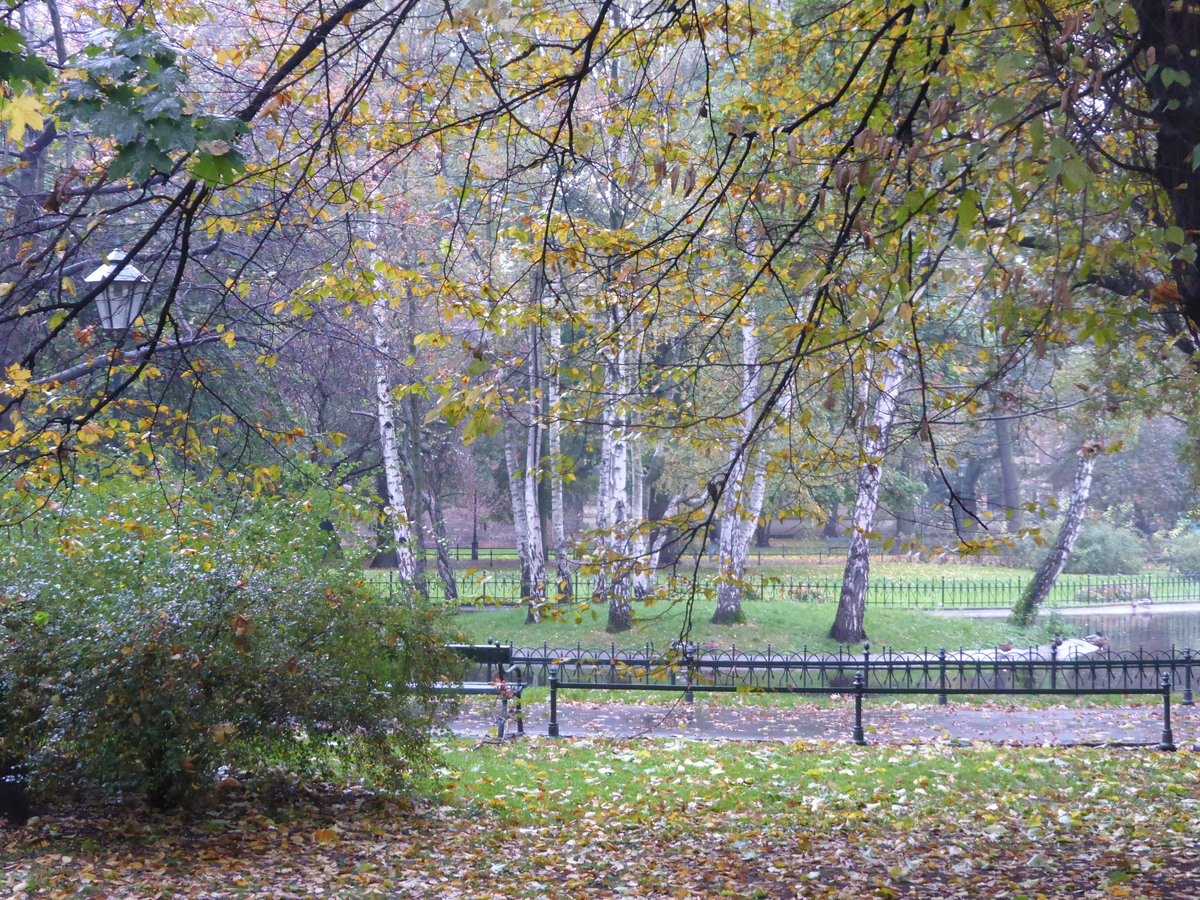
<point x="1014" y="133"/>
<point x="848" y="621"/>
<point x="1047" y="574"/>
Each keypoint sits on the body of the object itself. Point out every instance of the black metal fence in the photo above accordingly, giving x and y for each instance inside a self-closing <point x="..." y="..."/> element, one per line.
<point x="939" y="672"/>
<point x="940" y="592"/>
<point x="689" y="670"/>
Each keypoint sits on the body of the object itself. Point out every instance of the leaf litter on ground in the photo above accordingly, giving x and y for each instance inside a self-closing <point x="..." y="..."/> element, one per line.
<point x="661" y="819"/>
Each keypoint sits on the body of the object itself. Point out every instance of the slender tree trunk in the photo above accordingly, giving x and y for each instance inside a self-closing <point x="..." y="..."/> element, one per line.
<point x="532" y="509"/>
<point x="1047" y="574"/>
<point x="445" y="566"/>
<point x="638" y="541"/>
<point x="558" y="524"/>
<point x="848" y="623"/>
<point x="516" y="497"/>
<point x="616" y="440"/>
<point x="1009" y="481"/>
<point x="396" y="511"/>
<point x="736" y="504"/>
<point x="603" y="503"/>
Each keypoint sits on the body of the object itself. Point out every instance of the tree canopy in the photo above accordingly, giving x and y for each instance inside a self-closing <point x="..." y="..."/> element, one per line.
<point x="715" y="234"/>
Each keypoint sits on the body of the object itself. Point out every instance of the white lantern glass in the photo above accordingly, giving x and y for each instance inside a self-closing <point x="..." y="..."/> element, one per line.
<point x="120" y="304"/>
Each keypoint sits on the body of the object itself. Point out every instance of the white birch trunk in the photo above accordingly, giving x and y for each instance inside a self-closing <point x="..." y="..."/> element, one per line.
<point x="558" y="524"/>
<point x="534" y="544"/>
<point x="731" y="560"/>
<point x="516" y="498"/>
<point x="848" y="622"/>
<point x="1047" y="574"/>
<point x="620" y="607"/>
<point x="396" y="510"/>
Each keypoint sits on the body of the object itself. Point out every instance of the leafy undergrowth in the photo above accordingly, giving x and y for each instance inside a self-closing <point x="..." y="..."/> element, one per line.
<point x="664" y="819"/>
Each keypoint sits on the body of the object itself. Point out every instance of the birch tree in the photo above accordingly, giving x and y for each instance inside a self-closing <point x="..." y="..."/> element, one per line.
<point x="613" y="495"/>
<point x="1043" y="581"/>
<point x="848" y="621"/>
<point x="558" y="524"/>
<point x="744" y="483"/>
<point x="396" y="512"/>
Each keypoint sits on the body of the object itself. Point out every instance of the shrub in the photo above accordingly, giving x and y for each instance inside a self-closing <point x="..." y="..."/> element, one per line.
<point x="1103" y="548"/>
<point x="1183" y="551"/>
<point x="146" y="647"/>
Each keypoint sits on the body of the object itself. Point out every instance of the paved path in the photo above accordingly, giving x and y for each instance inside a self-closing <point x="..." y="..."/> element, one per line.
<point x="890" y="723"/>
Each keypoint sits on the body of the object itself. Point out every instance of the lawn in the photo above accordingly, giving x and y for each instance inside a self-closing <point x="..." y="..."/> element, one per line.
<point x="782" y="625"/>
<point x="667" y="819"/>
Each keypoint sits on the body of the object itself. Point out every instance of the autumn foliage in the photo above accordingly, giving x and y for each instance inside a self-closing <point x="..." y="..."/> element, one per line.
<point x="153" y="636"/>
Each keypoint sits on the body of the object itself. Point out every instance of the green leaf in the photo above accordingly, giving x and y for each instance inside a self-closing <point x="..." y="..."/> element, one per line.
<point x="1037" y="137"/>
<point x="968" y="210"/>
<point x="1076" y="175"/>
<point x="221" y="169"/>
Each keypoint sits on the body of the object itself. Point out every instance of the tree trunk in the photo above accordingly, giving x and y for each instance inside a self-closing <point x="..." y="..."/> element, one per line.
<point x="396" y="511"/>
<point x="532" y="510"/>
<point x="848" y="624"/>
<point x="558" y="525"/>
<point x="1047" y="574"/>
<point x="616" y="564"/>
<point x="738" y="510"/>
<point x="1010" y="483"/>
<point x="516" y="498"/>
<point x="445" y="565"/>
<point x="1169" y="38"/>
<point x="639" y="542"/>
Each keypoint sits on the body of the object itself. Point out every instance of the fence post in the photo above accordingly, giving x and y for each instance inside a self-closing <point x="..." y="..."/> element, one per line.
<point x="1054" y="662"/>
<point x="859" y="687"/>
<point x="520" y="707"/>
<point x="688" y="663"/>
<point x="552" y="728"/>
<point x="942" y="675"/>
<point x="866" y="662"/>
<point x="1168" y="739"/>
<point x="1187" y="678"/>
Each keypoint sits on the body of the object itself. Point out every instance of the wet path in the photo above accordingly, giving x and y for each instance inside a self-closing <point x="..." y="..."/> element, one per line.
<point x="890" y="723"/>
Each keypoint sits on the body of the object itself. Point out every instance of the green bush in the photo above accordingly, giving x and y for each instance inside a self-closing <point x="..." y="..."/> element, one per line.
<point x="148" y="641"/>
<point x="1103" y="548"/>
<point x="1183" y="551"/>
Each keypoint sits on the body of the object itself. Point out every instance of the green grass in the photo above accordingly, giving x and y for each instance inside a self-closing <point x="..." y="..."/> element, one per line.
<point x="772" y="778"/>
<point x="783" y="625"/>
<point x="660" y="819"/>
<point x="892" y="585"/>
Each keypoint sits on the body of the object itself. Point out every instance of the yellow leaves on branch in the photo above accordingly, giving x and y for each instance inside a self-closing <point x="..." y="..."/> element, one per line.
<point x="17" y="380"/>
<point x="21" y="113"/>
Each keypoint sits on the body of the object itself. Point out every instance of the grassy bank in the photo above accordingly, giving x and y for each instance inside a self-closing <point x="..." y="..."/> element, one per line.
<point x="783" y="625"/>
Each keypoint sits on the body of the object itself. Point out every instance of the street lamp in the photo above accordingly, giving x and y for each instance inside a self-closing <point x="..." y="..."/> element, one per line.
<point x="120" y="303"/>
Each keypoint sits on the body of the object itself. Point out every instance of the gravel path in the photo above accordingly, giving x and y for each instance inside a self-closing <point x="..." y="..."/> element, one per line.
<point x="886" y="722"/>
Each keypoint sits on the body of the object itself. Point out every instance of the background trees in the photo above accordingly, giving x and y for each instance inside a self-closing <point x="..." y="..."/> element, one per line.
<point x="672" y="232"/>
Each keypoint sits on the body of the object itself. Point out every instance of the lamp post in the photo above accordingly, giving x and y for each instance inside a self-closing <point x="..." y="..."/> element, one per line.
<point x="120" y="303"/>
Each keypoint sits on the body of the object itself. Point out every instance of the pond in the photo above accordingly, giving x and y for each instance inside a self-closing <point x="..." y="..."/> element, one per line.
<point x="1153" y="629"/>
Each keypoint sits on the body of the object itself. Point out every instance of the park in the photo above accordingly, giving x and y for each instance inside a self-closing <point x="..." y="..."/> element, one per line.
<point x="599" y="448"/>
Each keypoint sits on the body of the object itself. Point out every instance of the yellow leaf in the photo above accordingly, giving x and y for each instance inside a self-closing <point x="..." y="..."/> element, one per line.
<point x="228" y="338"/>
<point x="18" y="379"/>
<point x="21" y="113"/>
<point x="325" y="835"/>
